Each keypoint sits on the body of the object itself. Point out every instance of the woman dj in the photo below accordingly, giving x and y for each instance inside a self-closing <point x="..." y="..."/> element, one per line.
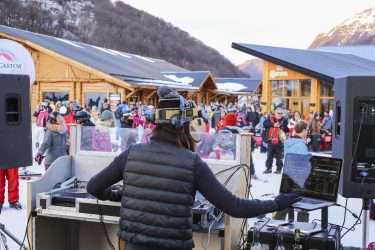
<point x="160" y="179"/>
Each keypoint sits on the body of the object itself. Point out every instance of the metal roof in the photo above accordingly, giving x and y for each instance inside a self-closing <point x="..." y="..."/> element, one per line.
<point x="193" y="78"/>
<point x="237" y="85"/>
<point x="105" y="60"/>
<point x="142" y="82"/>
<point x="321" y="65"/>
<point x="365" y="51"/>
<point x="188" y="80"/>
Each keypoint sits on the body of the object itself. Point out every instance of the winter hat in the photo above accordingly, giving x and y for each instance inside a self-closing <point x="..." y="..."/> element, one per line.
<point x="63" y="110"/>
<point x="106" y="115"/>
<point x="230" y="119"/>
<point x="173" y="108"/>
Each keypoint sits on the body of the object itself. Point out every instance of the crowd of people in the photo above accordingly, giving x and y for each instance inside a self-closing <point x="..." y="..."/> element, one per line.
<point x="270" y="129"/>
<point x="276" y="132"/>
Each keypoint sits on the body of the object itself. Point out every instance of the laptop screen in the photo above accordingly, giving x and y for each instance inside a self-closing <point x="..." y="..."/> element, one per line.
<point x="311" y="176"/>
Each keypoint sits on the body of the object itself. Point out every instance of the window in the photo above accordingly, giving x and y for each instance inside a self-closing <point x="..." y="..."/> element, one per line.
<point x="53" y="97"/>
<point x="305" y="88"/>
<point x="277" y="88"/>
<point x="292" y="94"/>
<point x="281" y="102"/>
<point x="326" y="105"/>
<point x="326" y="89"/>
<point x="94" y="100"/>
<point x="326" y="97"/>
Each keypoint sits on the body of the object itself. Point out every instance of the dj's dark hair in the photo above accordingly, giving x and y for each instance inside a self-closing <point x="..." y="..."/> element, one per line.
<point x="182" y="136"/>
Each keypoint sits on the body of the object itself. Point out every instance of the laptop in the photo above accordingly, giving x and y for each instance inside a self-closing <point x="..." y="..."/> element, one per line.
<point x="315" y="178"/>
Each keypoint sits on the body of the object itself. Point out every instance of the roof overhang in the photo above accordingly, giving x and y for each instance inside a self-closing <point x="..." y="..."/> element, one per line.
<point x="270" y="58"/>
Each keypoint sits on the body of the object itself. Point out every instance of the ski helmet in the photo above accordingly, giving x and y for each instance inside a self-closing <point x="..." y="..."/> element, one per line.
<point x="52" y="117"/>
<point x="81" y="116"/>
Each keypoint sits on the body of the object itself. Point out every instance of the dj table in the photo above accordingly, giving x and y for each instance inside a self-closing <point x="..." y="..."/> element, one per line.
<point x="67" y="217"/>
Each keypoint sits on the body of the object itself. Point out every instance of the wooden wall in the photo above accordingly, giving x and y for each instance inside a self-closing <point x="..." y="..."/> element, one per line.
<point x="272" y="72"/>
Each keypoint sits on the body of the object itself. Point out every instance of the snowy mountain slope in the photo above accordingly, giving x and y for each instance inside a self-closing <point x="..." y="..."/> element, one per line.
<point x="359" y="29"/>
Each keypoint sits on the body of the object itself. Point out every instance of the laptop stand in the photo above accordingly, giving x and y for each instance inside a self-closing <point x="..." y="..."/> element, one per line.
<point x="324" y="217"/>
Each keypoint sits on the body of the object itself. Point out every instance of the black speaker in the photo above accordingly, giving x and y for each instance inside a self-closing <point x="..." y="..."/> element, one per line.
<point x="354" y="135"/>
<point x="15" y="121"/>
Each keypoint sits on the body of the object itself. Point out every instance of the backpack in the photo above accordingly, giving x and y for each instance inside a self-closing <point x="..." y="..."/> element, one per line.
<point x="118" y="113"/>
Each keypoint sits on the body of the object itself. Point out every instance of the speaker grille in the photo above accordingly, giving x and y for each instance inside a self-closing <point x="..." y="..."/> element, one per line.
<point x="366" y="144"/>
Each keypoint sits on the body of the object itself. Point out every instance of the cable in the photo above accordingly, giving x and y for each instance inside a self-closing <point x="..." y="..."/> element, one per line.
<point x="346" y="205"/>
<point x="210" y="227"/>
<point x="347" y="209"/>
<point x="101" y="220"/>
<point x="247" y="172"/>
<point x="236" y="168"/>
<point x="332" y="224"/>
<point x="24" y="237"/>
<point x="360" y="214"/>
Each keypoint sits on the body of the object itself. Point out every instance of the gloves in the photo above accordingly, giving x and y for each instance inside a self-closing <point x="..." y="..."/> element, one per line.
<point x="285" y="200"/>
<point x="38" y="158"/>
<point x="116" y="193"/>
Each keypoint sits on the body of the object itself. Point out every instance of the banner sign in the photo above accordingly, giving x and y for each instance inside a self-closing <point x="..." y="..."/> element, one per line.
<point x="16" y="59"/>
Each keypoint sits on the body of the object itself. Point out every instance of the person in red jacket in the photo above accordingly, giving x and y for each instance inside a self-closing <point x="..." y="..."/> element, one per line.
<point x="11" y="175"/>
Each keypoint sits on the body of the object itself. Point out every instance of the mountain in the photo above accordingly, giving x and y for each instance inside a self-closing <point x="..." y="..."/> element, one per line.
<point x="253" y="67"/>
<point x="359" y="29"/>
<point x="115" y="25"/>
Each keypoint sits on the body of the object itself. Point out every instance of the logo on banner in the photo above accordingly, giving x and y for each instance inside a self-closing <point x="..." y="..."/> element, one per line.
<point x="8" y="62"/>
<point x="278" y="72"/>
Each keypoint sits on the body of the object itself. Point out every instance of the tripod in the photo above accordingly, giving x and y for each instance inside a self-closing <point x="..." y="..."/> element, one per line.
<point x="3" y="239"/>
<point x="365" y="226"/>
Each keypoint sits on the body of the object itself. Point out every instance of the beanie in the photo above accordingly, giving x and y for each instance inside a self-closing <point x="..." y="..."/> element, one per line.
<point x="230" y="120"/>
<point x="173" y="108"/>
<point x="106" y="115"/>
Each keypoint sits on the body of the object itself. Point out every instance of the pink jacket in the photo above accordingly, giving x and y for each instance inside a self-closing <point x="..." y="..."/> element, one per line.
<point x="41" y="120"/>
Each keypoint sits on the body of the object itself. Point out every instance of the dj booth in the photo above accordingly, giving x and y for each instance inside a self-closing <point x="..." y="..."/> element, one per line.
<point x="65" y="216"/>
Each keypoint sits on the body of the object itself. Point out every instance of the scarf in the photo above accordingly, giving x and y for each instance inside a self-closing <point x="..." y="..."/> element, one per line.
<point x="273" y="133"/>
<point x="59" y="128"/>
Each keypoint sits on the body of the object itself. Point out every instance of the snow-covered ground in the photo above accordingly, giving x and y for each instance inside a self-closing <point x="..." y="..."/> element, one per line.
<point x="15" y="220"/>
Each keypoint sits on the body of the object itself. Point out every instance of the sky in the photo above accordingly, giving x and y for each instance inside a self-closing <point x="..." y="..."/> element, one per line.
<point x="282" y="23"/>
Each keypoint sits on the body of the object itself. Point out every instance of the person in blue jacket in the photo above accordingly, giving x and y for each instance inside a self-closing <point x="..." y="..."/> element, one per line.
<point x="296" y="145"/>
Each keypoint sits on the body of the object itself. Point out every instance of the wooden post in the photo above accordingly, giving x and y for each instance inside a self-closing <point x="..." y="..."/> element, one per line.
<point x="74" y="96"/>
<point x="314" y="98"/>
<point x="266" y="88"/>
<point x="79" y="93"/>
<point x="123" y="94"/>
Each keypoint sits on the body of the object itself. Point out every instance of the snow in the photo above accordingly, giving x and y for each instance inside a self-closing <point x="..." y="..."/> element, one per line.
<point x="120" y="53"/>
<point x="361" y="23"/>
<point x="144" y="58"/>
<point x="104" y="50"/>
<point x="69" y="42"/>
<point x="182" y="80"/>
<point x="230" y="86"/>
<point x="15" y="220"/>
